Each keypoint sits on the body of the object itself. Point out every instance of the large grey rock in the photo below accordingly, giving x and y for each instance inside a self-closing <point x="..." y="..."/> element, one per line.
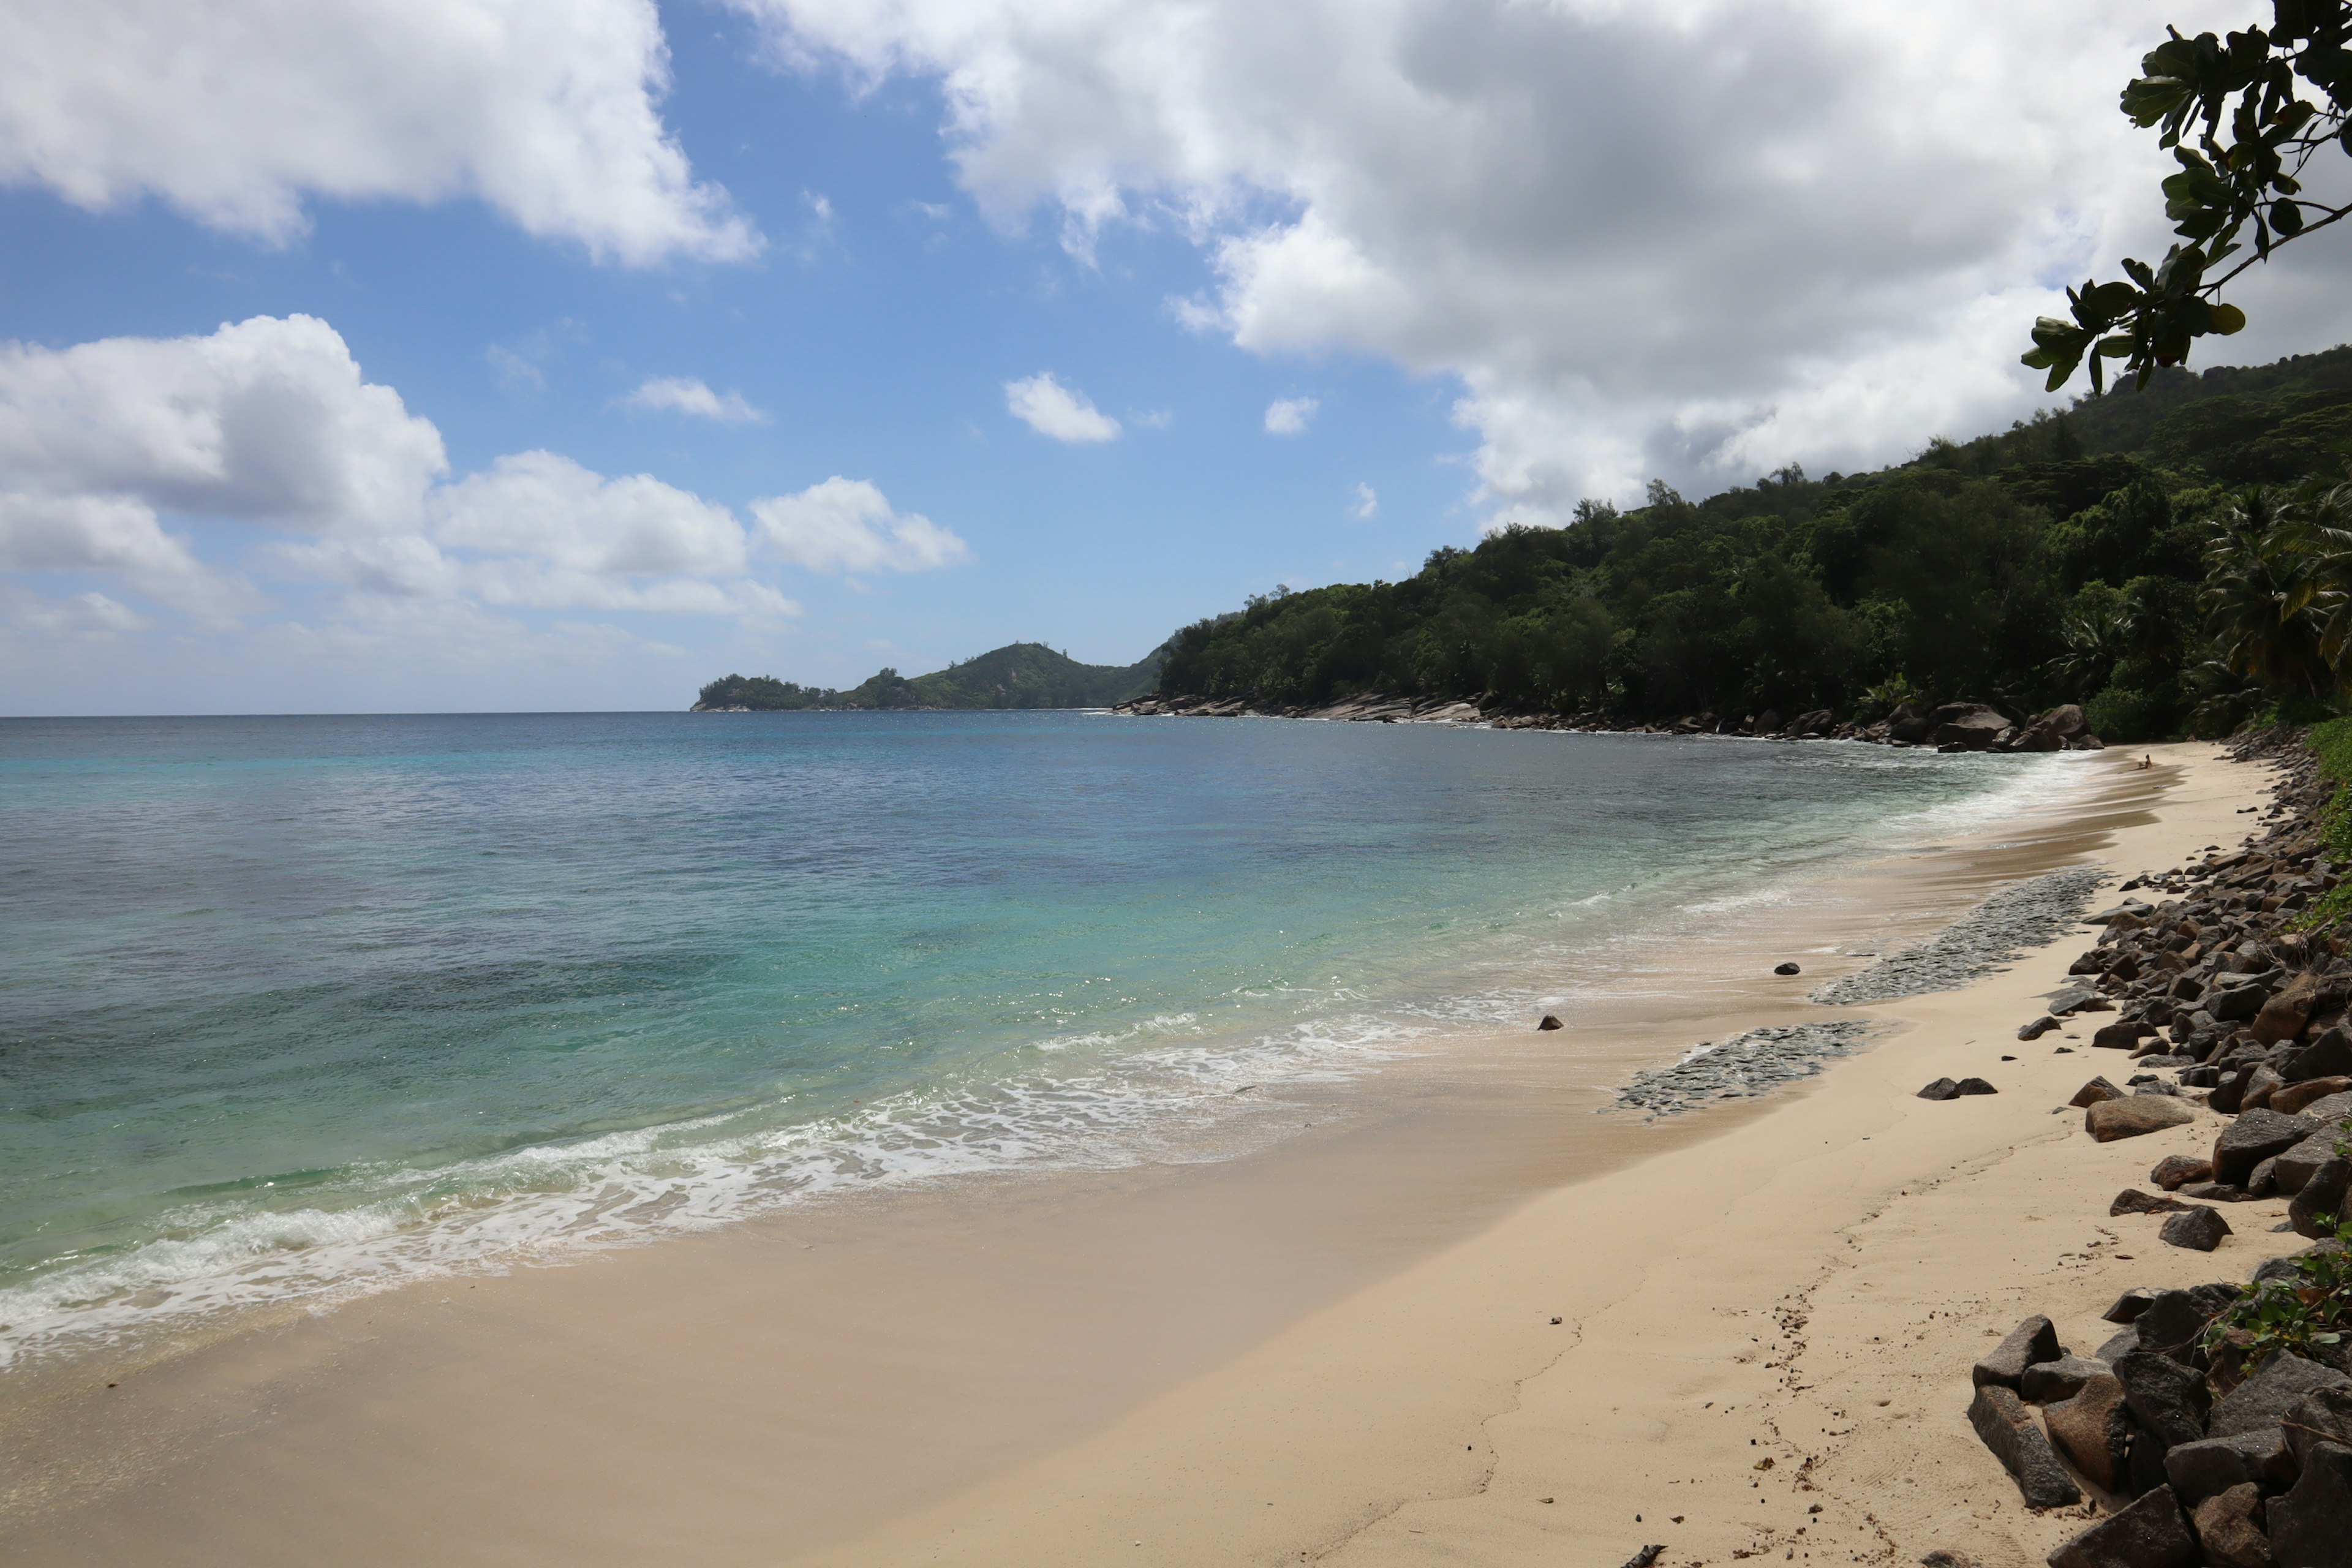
<point x="2199" y="1229"/>
<point x="2212" y="1465"/>
<point x="1942" y="1089"/>
<point x="2289" y="1269"/>
<point x="2129" y="1305"/>
<point x="2323" y="1415"/>
<point x="2174" y="1169"/>
<point x="2253" y="1138"/>
<point x="2236" y="1003"/>
<point x="2060" y="1379"/>
<point x="2135" y="1115"/>
<point x="2167" y="1398"/>
<point x="2275" y="1387"/>
<point x="1971" y="726"/>
<point x="2320" y="1201"/>
<point x="2090" y="1093"/>
<point x="2119" y="1346"/>
<point x="2297" y="1165"/>
<point x="2291" y="1100"/>
<point x="2121" y="1036"/>
<point x="2033" y="1341"/>
<point x="2230" y="1529"/>
<point x="2151" y="1533"/>
<point x="2311" y="1527"/>
<point x="2329" y="1055"/>
<point x="2094" y="1430"/>
<point x="2008" y="1429"/>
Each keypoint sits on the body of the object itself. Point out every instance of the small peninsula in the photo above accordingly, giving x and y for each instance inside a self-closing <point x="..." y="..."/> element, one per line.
<point x="1018" y="675"/>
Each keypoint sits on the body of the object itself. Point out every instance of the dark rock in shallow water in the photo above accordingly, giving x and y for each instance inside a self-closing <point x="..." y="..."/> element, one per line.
<point x="2213" y="1465"/>
<point x="2275" y="1387"/>
<point x="2032" y="1342"/>
<point x="2230" y="1529"/>
<point x="2094" y="1430"/>
<point x="2254" y="1137"/>
<point x="2151" y="1533"/>
<point x="2008" y="1429"/>
<point x="1942" y="1089"/>
<point x="2311" y="1527"/>
<point x="1550" y="1022"/>
<point x="2199" y="1229"/>
<point x="1786" y="968"/>
<point x="2046" y="1382"/>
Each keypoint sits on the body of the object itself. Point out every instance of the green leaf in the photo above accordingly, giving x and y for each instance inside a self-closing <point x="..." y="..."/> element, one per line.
<point x="2226" y="320"/>
<point x="2287" y="217"/>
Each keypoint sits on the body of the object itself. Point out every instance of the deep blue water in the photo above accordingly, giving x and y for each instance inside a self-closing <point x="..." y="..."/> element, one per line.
<point x="291" y="1003"/>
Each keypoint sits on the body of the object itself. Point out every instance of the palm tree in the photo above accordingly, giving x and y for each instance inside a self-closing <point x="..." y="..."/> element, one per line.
<point x="2271" y="586"/>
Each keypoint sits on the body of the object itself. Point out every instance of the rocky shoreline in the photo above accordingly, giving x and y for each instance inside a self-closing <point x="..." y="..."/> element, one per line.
<point x="2215" y="1426"/>
<point x="1952" y="727"/>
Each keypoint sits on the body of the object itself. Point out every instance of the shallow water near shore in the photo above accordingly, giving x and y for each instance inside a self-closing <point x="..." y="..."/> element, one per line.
<point x="301" y="1005"/>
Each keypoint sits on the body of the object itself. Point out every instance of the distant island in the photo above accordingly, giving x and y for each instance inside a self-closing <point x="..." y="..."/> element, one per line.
<point x="1018" y="675"/>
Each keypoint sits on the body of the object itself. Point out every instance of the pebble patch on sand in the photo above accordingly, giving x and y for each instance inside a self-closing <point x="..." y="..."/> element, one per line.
<point x="1742" y="1067"/>
<point x="2002" y="930"/>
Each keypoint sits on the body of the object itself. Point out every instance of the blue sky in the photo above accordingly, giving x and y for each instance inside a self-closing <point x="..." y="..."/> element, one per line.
<point x="872" y="222"/>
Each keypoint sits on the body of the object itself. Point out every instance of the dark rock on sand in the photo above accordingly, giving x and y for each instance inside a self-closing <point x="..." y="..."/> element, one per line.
<point x="2032" y="1342"/>
<point x="1550" y="1022"/>
<point x="2129" y="1305"/>
<point x="2121" y="1036"/>
<point x="2039" y="1028"/>
<point x="2151" y="1533"/>
<point x="1786" y="968"/>
<point x="2330" y="1056"/>
<point x="2173" y="1320"/>
<point x="1942" y="1089"/>
<point x="2174" y="1169"/>
<point x="2093" y="1093"/>
<point x="1977" y="1086"/>
<point x="2321" y="1199"/>
<point x="2254" y="1137"/>
<point x="2131" y="1200"/>
<point x="2135" y="1115"/>
<point x="2094" y="1430"/>
<point x="2199" y="1229"/>
<point x="2008" y="1431"/>
<point x="2289" y="1100"/>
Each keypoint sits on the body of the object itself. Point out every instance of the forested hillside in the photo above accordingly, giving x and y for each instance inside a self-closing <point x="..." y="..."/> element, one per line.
<point x="2083" y="557"/>
<point x="1019" y="675"/>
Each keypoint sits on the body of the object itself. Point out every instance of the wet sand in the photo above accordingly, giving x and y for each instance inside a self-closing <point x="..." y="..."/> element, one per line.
<point x="1339" y="1346"/>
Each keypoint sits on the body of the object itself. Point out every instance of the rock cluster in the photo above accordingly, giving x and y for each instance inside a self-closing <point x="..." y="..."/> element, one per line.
<point x="1742" y="1067"/>
<point x="2013" y="923"/>
<point x="2213" y="1448"/>
<point x="1954" y="727"/>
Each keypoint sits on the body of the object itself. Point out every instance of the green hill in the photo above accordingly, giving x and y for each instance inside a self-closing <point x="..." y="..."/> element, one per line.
<point x="1018" y="675"/>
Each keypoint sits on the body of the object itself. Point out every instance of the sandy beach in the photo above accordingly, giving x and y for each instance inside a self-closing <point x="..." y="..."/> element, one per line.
<point x="1458" y="1320"/>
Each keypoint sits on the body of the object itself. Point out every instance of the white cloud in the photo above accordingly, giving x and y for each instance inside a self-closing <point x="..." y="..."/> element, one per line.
<point x="1368" y="503"/>
<point x="1698" y="238"/>
<point x="1049" y="408"/>
<point x="1290" y="416"/>
<point x="240" y="112"/>
<point x="547" y="508"/>
<point x="847" y="526"/>
<point x="687" y="395"/>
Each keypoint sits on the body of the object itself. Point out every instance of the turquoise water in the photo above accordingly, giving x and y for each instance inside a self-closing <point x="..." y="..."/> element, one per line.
<point x="294" y="1006"/>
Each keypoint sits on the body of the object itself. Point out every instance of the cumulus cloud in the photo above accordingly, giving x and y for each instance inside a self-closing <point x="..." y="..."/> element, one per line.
<point x="847" y="526"/>
<point x="238" y="111"/>
<point x="689" y="396"/>
<point x="1290" y="416"/>
<point x="1049" y="408"/>
<point x="1698" y="238"/>
<point x="267" y="428"/>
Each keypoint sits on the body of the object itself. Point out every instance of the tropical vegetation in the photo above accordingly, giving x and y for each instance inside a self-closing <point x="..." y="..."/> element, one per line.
<point x="1018" y="675"/>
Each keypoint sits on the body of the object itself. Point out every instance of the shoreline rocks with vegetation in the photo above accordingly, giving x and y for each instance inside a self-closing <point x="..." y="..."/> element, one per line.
<point x="2215" y="1426"/>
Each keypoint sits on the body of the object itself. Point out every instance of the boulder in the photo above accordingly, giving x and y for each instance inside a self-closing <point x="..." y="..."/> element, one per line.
<point x="1942" y="1089"/>
<point x="2329" y="1055"/>
<point x="1550" y="1022"/>
<point x="2093" y="1093"/>
<point x="2065" y="721"/>
<point x="2047" y="1382"/>
<point x="2129" y="1305"/>
<point x="2323" y="1415"/>
<point x="2151" y="1533"/>
<point x="2030" y="1343"/>
<point x="2199" y="1229"/>
<point x="2121" y="1036"/>
<point x="2174" y="1169"/>
<point x="2236" y="1003"/>
<point x="2275" y="1387"/>
<point x="2290" y="1099"/>
<point x="2255" y="1093"/>
<point x="1970" y="726"/>
<point x="2230" y="1529"/>
<point x="2168" y="1399"/>
<point x="2213" y="1465"/>
<point x="2173" y="1320"/>
<point x="2309" y="1526"/>
<point x="2135" y="1115"/>
<point x="2001" y="1420"/>
<point x="2119" y="1346"/>
<point x="2131" y="1200"/>
<point x="1787" y="969"/>
<point x="2253" y="1138"/>
<point x="2299" y="1164"/>
<point x="2215" y="1191"/>
<point x="2289" y="1009"/>
<point x="2320" y="1200"/>
<point x="2094" y="1430"/>
<point x="1976" y="1085"/>
<point x="2039" y="1028"/>
<point x="2288" y="1270"/>
<point x="1906" y="724"/>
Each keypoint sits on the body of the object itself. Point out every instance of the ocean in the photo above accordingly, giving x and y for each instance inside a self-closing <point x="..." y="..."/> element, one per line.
<point x="295" y="1007"/>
